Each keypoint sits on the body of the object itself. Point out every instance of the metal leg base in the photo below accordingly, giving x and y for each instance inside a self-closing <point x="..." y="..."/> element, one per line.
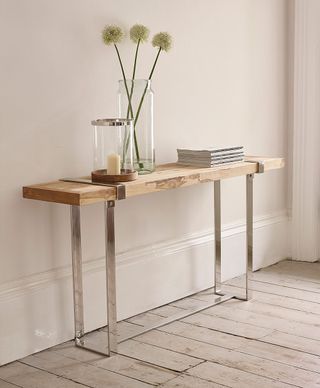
<point x="93" y="346"/>
<point x="82" y="340"/>
<point x="217" y="237"/>
<point x="98" y="341"/>
<point x="249" y="237"/>
<point x="180" y="315"/>
<point x="249" y="231"/>
<point x="243" y="298"/>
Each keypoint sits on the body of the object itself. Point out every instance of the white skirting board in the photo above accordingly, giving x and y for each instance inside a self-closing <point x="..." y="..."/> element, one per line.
<point x="37" y="311"/>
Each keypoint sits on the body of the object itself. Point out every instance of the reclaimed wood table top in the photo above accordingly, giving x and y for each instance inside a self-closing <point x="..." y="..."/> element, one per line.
<point x="166" y="176"/>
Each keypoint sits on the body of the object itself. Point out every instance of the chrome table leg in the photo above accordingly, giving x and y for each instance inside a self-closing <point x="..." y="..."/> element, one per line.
<point x="217" y="235"/>
<point x="77" y="273"/>
<point x="82" y="340"/>
<point x="249" y="230"/>
<point x="111" y="277"/>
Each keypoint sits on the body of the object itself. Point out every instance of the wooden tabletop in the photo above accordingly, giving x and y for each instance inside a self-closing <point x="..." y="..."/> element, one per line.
<point x="167" y="176"/>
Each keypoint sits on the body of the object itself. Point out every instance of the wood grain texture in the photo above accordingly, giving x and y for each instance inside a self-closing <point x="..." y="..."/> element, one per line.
<point x="260" y="348"/>
<point x="185" y="381"/>
<point x="232" y="377"/>
<point x="4" y="384"/>
<point x="166" y="177"/>
<point x="26" y="376"/>
<point x="260" y="366"/>
<point x="70" y="370"/>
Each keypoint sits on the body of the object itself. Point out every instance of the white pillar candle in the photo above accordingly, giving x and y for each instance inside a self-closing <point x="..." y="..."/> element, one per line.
<point x="113" y="164"/>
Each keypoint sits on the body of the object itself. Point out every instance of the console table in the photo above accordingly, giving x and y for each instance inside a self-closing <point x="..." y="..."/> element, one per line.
<point x="80" y="191"/>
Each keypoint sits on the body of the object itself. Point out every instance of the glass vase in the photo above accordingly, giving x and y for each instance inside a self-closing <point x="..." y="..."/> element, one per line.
<point x="141" y="110"/>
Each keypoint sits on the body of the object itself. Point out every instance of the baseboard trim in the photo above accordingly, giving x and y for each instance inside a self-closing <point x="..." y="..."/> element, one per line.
<point x="35" y="281"/>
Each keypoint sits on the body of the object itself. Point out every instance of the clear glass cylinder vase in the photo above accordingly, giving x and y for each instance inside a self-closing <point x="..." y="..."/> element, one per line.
<point x="140" y="108"/>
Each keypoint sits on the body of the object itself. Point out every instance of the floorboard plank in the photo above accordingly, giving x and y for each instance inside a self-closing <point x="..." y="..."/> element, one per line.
<point x="157" y="356"/>
<point x="232" y="377"/>
<point x="296" y="269"/>
<point x="232" y="358"/>
<point x="125" y="328"/>
<point x="285" y="281"/>
<point x="204" y="334"/>
<point x="227" y="326"/>
<point x="145" y="319"/>
<point x="126" y="366"/>
<point x="194" y="301"/>
<point x="80" y="372"/>
<point x="261" y="321"/>
<point x="166" y="311"/>
<point x="288" y="356"/>
<point x="5" y="384"/>
<point x="29" y="377"/>
<point x="278" y="290"/>
<point x="185" y="381"/>
<point x="265" y="350"/>
<point x="140" y="370"/>
<point x="293" y="342"/>
<point x="275" y="300"/>
<point x="275" y="311"/>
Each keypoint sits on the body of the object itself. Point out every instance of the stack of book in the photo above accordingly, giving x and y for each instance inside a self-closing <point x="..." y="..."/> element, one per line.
<point x="209" y="157"/>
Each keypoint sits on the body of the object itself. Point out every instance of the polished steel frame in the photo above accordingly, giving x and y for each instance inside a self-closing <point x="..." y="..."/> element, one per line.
<point x="110" y="347"/>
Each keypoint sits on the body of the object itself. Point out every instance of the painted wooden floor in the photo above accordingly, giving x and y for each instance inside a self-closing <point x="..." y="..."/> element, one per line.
<point x="271" y="341"/>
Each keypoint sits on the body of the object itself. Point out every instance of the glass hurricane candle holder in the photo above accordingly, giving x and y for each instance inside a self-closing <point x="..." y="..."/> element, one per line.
<point x="113" y="151"/>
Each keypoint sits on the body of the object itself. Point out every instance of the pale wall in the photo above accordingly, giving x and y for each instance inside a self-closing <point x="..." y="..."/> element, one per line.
<point x="224" y="82"/>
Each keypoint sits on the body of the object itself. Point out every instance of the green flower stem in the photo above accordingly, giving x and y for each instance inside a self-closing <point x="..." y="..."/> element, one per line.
<point x="124" y="79"/>
<point x="145" y="89"/>
<point x="155" y="62"/>
<point x="135" y="60"/>
<point x="131" y="93"/>
<point x="129" y="100"/>
<point x="133" y="74"/>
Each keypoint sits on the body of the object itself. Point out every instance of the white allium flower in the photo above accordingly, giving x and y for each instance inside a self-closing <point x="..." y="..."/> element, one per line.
<point x="162" y="40"/>
<point x="112" y="35"/>
<point x="139" y="32"/>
